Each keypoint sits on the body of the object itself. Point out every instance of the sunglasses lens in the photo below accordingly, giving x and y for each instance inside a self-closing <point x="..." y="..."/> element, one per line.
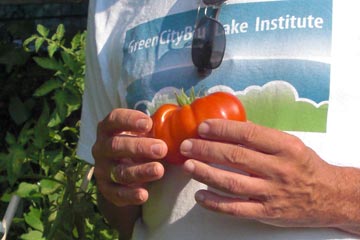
<point x="208" y="46"/>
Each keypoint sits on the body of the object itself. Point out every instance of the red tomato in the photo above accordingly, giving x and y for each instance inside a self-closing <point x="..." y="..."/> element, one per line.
<point x="175" y="123"/>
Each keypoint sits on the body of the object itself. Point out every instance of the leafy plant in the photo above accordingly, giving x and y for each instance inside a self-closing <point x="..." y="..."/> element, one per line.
<point x="39" y="163"/>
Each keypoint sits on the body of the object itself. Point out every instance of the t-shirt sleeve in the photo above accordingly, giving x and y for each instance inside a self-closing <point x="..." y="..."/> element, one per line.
<point x="97" y="101"/>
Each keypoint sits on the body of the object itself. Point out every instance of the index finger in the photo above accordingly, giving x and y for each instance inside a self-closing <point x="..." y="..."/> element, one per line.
<point x="247" y="134"/>
<point x="121" y="120"/>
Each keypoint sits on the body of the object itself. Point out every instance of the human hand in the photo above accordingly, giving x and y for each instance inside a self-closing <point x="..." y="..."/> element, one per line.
<point x="125" y="159"/>
<point x="288" y="184"/>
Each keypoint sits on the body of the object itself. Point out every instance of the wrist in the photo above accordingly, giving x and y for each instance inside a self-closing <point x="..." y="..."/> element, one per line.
<point x="349" y="197"/>
<point x="121" y="219"/>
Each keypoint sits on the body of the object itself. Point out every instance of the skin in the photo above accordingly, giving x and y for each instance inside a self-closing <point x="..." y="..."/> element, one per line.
<point x="287" y="183"/>
<point x="121" y="144"/>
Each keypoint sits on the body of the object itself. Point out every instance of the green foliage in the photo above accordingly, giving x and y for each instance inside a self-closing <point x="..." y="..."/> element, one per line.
<point x="39" y="161"/>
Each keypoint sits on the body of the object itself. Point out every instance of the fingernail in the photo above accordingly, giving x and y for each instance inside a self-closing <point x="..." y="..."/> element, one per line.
<point x="204" y="128"/>
<point x="154" y="171"/>
<point x="157" y="149"/>
<point x="186" y="146"/>
<point x="142" y="124"/>
<point x="199" y="197"/>
<point x="189" y="166"/>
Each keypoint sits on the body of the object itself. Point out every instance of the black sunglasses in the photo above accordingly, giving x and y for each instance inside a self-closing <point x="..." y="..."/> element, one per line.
<point x="209" y="41"/>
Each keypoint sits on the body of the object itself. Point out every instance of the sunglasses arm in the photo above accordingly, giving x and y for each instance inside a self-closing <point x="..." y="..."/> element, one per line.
<point x="215" y="13"/>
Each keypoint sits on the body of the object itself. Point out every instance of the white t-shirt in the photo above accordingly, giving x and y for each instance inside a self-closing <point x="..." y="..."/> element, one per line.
<point x="295" y="65"/>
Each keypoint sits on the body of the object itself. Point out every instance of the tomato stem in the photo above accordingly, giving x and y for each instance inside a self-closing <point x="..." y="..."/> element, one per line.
<point x="183" y="99"/>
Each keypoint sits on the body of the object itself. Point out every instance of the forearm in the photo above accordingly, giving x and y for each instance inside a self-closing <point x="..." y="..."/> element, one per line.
<point x="349" y="190"/>
<point x="120" y="218"/>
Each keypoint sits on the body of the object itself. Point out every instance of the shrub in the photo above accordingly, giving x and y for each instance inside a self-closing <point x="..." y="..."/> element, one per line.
<point x="39" y="161"/>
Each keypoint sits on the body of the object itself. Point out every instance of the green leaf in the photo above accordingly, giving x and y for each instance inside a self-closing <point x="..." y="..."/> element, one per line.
<point x="70" y="61"/>
<point x="41" y="130"/>
<point x="48" y="187"/>
<point x="38" y="43"/>
<point x="55" y="119"/>
<point x="10" y="138"/>
<point x="18" y="110"/>
<point x="60" y="112"/>
<point x="28" y="41"/>
<point x="27" y="190"/>
<point x="6" y="197"/>
<point x="33" y="219"/>
<point x="32" y="235"/>
<point x="70" y="129"/>
<point x="25" y="133"/>
<point x="48" y="63"/>
<point x="55" y="156"/>
<point x="76" y="41"/>
<point x="60" y="32"/>
<point x="66" y="103"/>
<point x="43" y="31"/>
<point x="52" y="49"/>
<point x="15" y="162"/>
<point x="47" y="87"/>
<point x="60" y="176"/>
<point x="52" y="161"/>
<point x="73" y="103"/>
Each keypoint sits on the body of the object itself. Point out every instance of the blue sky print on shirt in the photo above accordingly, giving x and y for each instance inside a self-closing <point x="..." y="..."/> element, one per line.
<point x="277" y="61"/>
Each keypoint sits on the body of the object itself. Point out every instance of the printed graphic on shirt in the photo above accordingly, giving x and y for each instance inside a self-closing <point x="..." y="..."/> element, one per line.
<point x="276" y="61"/>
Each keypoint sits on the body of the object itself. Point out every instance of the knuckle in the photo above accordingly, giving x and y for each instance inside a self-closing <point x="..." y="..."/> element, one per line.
<point x="112" y="116"/>
<point x="205" y="176"/>
<point x="128" y="144"/>
<point x="128" y="119"/>
<point x="297" y="146"/>
<point x="272" y="212"/>
<point x="123" y="176"/>
<point x="285" y="174"/>
<point x="216" y="204"/>
<point x="202" y="174"/>
<point x="266" y="196"/>
<point x="222" y="129"/>
<point x="202" y="148"/>
<point x="121" y="146"/>
<point x="234" y="186"/>
<point x="120" y="116"/>
<point x="129" y="174"/>
<point x="139" y="147"/>
<point x="251" y="134"/>
<point x="233" y="155"/>
<point x="116" y="144"/>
